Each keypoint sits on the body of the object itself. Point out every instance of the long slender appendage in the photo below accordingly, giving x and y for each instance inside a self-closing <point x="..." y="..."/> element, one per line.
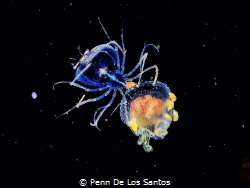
<point x="142" y="66"/>
<point x="106" y="33"/>
<point x="103" y="110"/>
<point x="76" y="106"/>
<point x="147" y="69"/>
<point x="87" y="66"/>
<point x="79" y="86"/>
<point x="80" y="103"/>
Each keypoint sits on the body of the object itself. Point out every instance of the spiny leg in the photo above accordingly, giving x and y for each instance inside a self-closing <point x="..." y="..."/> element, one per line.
<point x="116" y="108"/>
<point x="138" y="64"/>
<point x="76" y="106"/>
<point x="145" y="46"/>
<point x="114" y="94"/>
<point x="87" y="66"/>
<point x="80" y="103"/>
<point x="122" y="51"/>
<point x="142" y="62"/>
<point x="123" y="54"/>
<point x="123" y="48"/>
<point x="104" y="108"/>
<point x="142" y="65"/>
<point x="87" y="89"/>
<point x="94" y="99"/>
<point x="118" y="59"/>
<point x="147" y="69"/>
<point x="106" y="33"/>
<point x="116" y="45"/>
<point x="79" y="86"/>
<point x="143" y="54"/>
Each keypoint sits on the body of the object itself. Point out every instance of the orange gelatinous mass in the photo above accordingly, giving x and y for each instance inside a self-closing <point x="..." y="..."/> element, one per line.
<point x="146" y="106"/>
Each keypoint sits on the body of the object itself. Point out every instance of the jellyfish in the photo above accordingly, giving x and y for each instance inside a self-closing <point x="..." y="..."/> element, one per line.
<point x="148" y="110"/>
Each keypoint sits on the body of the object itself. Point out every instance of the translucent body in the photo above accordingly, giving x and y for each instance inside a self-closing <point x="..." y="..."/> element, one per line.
<point x="148" y="110"/>
<point x="104" y="69"/>
<point x="102" y="58"/>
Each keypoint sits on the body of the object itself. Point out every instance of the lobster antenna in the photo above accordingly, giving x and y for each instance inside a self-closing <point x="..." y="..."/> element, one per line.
<point x="106" y="33"/>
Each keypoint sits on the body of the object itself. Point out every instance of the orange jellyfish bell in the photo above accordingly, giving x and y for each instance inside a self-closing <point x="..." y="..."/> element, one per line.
<point x="148" y="110"/>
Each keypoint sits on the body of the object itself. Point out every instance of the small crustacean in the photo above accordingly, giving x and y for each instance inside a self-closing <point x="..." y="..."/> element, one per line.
<point x="104" y="69"/>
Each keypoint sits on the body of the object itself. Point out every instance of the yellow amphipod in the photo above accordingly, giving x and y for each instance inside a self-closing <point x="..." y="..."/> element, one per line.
<point x="148" y="110"/>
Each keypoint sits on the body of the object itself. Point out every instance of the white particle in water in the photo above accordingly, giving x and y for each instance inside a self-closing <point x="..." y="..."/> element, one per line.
<point x="33" y="95"/>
